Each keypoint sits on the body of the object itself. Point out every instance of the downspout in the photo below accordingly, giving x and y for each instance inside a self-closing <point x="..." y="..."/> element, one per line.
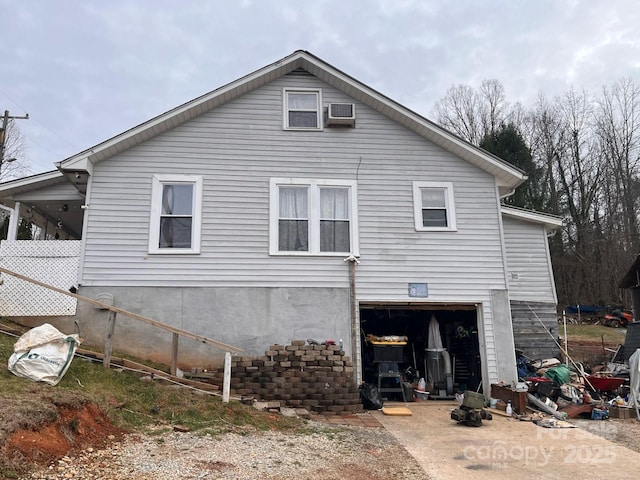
<point x="355" y="324"/>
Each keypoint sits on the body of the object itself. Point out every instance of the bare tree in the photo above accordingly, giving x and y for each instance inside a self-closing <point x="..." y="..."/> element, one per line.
<point x="12" y="165"/>
<point x="618" y="129"/>
<point x="472" y="114"/>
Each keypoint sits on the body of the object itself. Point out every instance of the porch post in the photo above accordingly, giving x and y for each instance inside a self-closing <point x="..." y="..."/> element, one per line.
<point x="12" y="233"/>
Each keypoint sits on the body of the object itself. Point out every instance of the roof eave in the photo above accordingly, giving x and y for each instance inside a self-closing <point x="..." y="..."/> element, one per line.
<point x="507" y="176"/>
<point x="181" y="114"/>
<point x="551" y="222"/>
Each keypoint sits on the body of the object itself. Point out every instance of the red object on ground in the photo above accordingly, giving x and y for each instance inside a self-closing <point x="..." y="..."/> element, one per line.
<point x="605" y="384"/>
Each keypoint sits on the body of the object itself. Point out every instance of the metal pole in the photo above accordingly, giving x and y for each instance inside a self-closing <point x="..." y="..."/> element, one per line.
<point x="566" y="339"/>
<point x="3" y="137"/>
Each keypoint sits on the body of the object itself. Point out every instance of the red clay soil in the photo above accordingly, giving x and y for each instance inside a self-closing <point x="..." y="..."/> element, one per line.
<point x="73" y="430"/>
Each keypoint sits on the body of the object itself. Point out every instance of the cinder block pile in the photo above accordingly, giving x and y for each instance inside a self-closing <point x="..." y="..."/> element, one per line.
<point x="316" y="377"/>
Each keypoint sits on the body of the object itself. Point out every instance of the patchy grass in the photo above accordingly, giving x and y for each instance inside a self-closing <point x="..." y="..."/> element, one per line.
<point x="594" y="333"/>
<point x="129" y="402"/>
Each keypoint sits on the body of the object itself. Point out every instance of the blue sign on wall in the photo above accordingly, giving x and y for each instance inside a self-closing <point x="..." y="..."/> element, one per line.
<point x="419" y="290"/>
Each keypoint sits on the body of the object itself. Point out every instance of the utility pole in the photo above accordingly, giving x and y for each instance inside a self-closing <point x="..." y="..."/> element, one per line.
<point x="3" y="136"/>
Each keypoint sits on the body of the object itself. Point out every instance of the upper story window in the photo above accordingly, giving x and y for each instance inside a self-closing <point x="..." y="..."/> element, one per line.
<point x="176" y="214"/>
<point x="302" y="109"/>
<point x="434" y="207"/>
<point x="313" y="217"/>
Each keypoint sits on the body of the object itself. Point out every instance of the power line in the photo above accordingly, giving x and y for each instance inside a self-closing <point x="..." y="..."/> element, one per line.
<point x="75" y="147"/>
<point x="3" y="135"/>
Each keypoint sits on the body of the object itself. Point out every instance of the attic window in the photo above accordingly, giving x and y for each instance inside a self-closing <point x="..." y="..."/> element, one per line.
<point x="302" y="109"/>
<point x="176" y="210"/>
<point x="434" y="208"/>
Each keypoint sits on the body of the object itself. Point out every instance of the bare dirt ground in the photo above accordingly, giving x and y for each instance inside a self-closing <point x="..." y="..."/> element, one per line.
<point x="82" y="444"/>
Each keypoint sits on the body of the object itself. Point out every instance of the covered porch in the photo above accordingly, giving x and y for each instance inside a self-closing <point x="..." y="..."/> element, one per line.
<point x="52" y="203"/>
<point x="44" y="241"/>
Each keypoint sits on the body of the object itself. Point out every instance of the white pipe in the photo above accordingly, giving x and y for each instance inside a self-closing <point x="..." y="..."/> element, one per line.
<point x="446" y="360"/>
<point x="226" y="379"/>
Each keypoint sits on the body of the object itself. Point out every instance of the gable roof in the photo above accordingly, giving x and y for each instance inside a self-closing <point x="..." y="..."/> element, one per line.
<point x="507" y="176"/>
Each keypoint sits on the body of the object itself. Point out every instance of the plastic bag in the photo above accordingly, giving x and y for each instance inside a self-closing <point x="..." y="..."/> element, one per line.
<point x="370" y="396"/>
<point x="43" y="354"/>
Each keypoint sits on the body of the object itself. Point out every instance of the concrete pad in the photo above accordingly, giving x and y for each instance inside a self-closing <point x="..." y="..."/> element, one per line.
<point x="504" y="447"/>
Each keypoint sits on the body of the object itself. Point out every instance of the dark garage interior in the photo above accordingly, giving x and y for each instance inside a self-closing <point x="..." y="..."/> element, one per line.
<point x="396" y="348"/>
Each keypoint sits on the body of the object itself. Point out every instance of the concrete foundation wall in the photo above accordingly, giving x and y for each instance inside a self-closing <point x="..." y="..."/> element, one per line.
<point x="249" y="318"/>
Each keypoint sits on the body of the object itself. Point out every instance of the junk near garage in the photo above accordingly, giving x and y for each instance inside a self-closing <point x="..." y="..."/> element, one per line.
<point x="567" y="391"/>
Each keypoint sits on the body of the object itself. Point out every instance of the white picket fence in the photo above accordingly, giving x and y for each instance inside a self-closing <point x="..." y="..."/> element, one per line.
<point x="54" y="262"/>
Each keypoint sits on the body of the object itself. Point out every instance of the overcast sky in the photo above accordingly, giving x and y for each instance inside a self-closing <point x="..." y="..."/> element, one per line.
<point x="87" y="70"/>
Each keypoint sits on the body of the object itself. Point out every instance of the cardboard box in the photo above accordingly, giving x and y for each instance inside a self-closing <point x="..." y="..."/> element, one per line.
<point x="621" y="412"/>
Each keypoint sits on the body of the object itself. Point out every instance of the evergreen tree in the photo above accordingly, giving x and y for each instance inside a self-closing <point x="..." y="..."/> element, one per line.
<point x="24" y="229"/>
<point x="508" y="144"/>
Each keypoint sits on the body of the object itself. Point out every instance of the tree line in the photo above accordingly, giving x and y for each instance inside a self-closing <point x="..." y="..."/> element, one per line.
<point x="581" y="152"/>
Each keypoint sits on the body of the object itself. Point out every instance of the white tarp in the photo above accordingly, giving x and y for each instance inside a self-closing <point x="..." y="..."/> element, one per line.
<point x="634" y="377"/>
<point x="435" y="340"/>
<point x="43" y="354"/>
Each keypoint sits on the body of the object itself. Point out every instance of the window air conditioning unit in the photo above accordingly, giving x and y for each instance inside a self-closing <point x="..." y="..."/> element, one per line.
<point x="341" y="114"/>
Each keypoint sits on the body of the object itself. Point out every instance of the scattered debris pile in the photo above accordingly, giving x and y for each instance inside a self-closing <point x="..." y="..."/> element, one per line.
<point x="567" y="391"/>
<point x="471" y="412"/>
<point x="317" y="377"/>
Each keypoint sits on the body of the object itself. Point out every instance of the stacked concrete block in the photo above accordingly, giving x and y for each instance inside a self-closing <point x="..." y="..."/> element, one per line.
<point x="316" y="377"/>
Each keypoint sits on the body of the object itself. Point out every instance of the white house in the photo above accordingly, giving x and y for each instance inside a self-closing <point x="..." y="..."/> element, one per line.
<point x="299" y="203"/>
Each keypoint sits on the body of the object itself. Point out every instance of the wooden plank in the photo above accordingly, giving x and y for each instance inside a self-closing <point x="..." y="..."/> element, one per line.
<point x="135" y="316"/>
<point x="495" y="411"/>
<point x="109" y="342"/>
<point x="174" y="353"/>
<point x="145" y="368"/>
<point x="226" y="382"/>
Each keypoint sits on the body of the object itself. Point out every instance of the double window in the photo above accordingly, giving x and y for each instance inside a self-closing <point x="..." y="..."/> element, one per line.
<point x="176" y="214"/>
<point x="302" y="109"/>
<point x="315" y="217"/>
<point x="433" y="205"/>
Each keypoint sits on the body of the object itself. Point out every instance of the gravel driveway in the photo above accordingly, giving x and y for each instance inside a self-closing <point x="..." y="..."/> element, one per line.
<point x="326" y="453"/>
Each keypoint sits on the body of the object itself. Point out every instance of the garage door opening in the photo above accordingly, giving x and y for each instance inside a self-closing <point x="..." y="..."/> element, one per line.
<point x="400" y="345"/>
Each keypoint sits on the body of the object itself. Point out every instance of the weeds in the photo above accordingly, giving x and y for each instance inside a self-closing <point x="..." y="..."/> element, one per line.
<point x="129" y="403"/>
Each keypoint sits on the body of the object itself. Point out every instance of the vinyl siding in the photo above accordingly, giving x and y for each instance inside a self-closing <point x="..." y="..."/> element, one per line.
<point x="530" y="275"/>
<point x="237" y="148"/>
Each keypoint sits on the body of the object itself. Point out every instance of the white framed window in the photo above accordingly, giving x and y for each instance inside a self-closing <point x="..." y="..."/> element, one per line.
<point x="313" y="217"/>
<point x="434" y="207"/>
<point x="176" y="214"/>
<point x="302" y="109"/>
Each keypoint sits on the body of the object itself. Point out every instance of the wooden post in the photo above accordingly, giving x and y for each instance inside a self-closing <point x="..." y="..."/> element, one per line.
<point x="108" y="344"/>
<point x="174" y="354"/>
<point x="226" y="381"/>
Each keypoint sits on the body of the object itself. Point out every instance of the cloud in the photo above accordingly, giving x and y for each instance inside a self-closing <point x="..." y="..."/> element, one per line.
<point x="89" y="70"/>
